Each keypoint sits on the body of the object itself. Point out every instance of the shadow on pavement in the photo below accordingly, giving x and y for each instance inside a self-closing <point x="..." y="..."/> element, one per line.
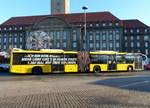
<point x="130" y="83"/>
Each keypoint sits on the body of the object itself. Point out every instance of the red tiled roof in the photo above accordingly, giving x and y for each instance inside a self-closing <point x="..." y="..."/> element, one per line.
<point x="72" y="18"/>
<point x="133" y="24"/>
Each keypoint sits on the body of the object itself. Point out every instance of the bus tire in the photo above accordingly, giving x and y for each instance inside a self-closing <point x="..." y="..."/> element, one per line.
<point x="130" y="68"/>
<point x="97" y="69"/>
<point x="37" y="71"/>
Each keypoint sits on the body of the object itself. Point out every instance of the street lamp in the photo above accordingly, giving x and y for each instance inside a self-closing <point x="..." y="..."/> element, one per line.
<point x="85" y="8"/>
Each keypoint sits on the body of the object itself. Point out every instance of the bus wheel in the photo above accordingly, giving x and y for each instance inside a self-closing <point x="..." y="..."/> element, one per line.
<point x="37" y="71"/>
<point x="130" y="68"/>
<point x="97" y="69"/>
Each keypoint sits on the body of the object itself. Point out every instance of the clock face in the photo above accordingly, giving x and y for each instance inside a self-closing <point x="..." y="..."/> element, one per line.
<point x="38" y="40"/>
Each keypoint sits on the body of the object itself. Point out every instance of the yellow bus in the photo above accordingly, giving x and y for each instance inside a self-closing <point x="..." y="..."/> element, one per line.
<point x="58" y="61"/>
<point x="38" y="62"/>
<point x="115" y="61"/>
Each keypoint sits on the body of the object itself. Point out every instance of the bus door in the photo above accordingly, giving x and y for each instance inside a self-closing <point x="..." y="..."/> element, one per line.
<point x="112" y="64"/>
<point x="138" y="62"/>
<point x="57" y="65"/>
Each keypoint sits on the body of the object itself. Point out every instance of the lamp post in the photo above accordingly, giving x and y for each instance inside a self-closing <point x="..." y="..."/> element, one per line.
<point x="85" y="8"/>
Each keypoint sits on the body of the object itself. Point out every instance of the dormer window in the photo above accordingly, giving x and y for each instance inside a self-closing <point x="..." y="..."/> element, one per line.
<point x="104" y="24"/>
<point x="117" y="24"/>
<point x="10" y="28"/>
<point x="146" y="30"/>
<point x="5" y="28"/>
<point x="15" y="28"/>
<point x="91" y="25"/>
<point x="20" y="28"/>
<point x="97" y="25"/>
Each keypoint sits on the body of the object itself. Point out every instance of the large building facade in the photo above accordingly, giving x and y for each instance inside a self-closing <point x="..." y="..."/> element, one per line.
<point x="60" y="6"/>
<point x="66" y="31"/>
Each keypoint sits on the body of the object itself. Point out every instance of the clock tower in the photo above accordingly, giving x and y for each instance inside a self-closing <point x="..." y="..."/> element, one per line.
<point x="60" y="6"/>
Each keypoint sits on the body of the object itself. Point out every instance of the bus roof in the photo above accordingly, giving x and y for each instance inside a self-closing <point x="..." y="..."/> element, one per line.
<point x="70" y="52"/>
<point x="103" y="52"/>
<point x="29" y="51"/>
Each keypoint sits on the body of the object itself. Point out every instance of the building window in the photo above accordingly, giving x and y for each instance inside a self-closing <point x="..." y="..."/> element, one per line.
<point x="146" y="44"/>
<point x="15" y="40"/>
<point x="110" y="37"/>
<point x="15" y="34"/>
<point x="4" y="46"/>
<point x="117" y="37"/>
<point x="125" y="31"/>
<point x="146" y="37"/>
<point x="126" y="44"/>
<point x="146" y="51"/>
<point x="10" y="39"/>
<point x="104" y="37"/>
<point x="5" y="28"/>
<point x="64" y="35"/>
<point x="20" y="28"/>
<point x="131" y="30"/>
<point x="139" y="51"/>
<point x="74" y="37"/>
<point x="104" y="45"/>
<point x="58" y="37"/>
<point x="64" y="44"/>
<point x="97" y="45"/>
<point x="21" y="46"/>
<point x="21" y="40"/>
<point x="137" y="30"/>
<point x="125" y="38"/>
<point x="10" y="28"/>
<point x="91" y="45"/>
<point x="15" y="28"/>
<point x="117" y="24"/>
<point x="145" y="30"/>
<point x="132" y="44"/>
<point x="5" y="39"/>
<point x="117" y="44"/>
<point x="138" y="44"/>
<point x="58" y="45"/>
<point x="131" y="37"/>
<point x="91" y="25"/>
<point x="74" y="44"/>
<point x="97" y="37"/>
<point x="91" y="37"/>
<point x="97" y="25"/>
<point x="104" y="24"/>
<point x="110" y="24"/>
<point x="111" y="45"/>
<point x="138" y="37"/>
<point x="74" y="31"/>
<point x="117" y="31"/>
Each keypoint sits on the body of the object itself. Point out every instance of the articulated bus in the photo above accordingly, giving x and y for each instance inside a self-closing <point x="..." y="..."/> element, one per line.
<point x="58" y="61"/>
<point x="115" y="61"/>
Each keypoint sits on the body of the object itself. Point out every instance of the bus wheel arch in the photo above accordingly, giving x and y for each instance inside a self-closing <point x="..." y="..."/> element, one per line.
<point x="97" y="69"/>
<point x="130" y="68"/>
<point x="37" y="70"/>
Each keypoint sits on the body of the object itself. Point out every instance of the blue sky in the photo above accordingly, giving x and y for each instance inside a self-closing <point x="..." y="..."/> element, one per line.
<point x="123" y="9"/>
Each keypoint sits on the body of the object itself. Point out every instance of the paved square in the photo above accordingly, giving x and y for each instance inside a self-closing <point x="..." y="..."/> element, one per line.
<point x="112" y="90"/>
